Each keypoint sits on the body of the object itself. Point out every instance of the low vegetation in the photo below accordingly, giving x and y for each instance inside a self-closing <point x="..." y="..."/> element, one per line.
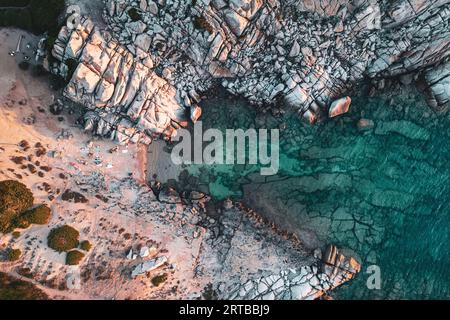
<point x="74" y="196"/>
<point x="85" y="245"/>
<point x="74" y="257"/>
<point x="209" y="293"/>
<point x="16" y="211"/>
<point x="63" y="239"/>
<point x="14" y="255"/>
<point x="159" y="279"/>
<point x="39" y="215"/>
<point x="15" y="198"/>
<point x="15" y="289"/>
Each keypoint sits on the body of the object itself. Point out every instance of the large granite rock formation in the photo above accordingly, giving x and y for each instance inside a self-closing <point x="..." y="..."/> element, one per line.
<point x="307" y="53"/>
<point x="128" y="100"/>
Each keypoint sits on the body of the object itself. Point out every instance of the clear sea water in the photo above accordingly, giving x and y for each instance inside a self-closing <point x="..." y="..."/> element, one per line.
<point x="382" y="193"/>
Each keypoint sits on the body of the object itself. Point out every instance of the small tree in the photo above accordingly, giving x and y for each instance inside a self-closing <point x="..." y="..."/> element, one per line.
<point x="39" y="215"/>
<point x="14" y="254"/>
<point x="63" y="238"/>
<point x="85" y="245"/>
<point x="159" y="279"/>
<point x="74" y="257"/>
<point x="15" y="198"/>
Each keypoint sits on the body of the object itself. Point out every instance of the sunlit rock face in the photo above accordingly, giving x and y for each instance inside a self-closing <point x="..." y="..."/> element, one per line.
<point x="307" y="283"/>
<point x="305" y="53"/>
<point x="128" y="100"/>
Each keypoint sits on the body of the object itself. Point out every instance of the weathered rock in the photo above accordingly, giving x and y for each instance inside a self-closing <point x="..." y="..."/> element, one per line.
<point x="130" y="254"/>
<point x="196" y="113"/>
<point x="144" y="252"/>
<point x="148" y="266"/>
<point x="127" y="100"/>
<point x="339" y="107"/>
<point x="306" y="283"/>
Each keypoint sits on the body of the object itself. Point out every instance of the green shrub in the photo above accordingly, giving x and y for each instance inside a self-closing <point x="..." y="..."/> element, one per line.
<point x="74" y="257"/>
<point x="159" y="279"/>
<point x="7" y="220"/>
<point x="15" y="198"/>
<point x="14" y="254"/>
<point x="63" y="238"/>
<point x="39" y="215"/>
<point x="15" y="195"/>
<point x="15" y="289"/>
<point x="85" y="245"/>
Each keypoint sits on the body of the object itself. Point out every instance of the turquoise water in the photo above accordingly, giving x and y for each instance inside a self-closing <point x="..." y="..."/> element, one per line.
<point x="384" y="193"/>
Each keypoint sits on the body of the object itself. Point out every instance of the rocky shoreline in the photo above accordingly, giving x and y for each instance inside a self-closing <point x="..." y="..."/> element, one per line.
<point x="144" y="75"/>
<point x="197" y="249"/>
<point x="354" y="181"/>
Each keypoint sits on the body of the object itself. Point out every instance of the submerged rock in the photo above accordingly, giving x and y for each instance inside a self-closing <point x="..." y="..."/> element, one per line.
<point x="403" y="127"/>
<point x="365" y="124"/>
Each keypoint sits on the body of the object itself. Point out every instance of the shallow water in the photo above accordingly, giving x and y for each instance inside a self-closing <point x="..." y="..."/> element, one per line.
<point x="383" y="193"/>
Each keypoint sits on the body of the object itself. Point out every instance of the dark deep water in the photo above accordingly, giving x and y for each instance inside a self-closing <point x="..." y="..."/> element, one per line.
<point x="384" y="193"/>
